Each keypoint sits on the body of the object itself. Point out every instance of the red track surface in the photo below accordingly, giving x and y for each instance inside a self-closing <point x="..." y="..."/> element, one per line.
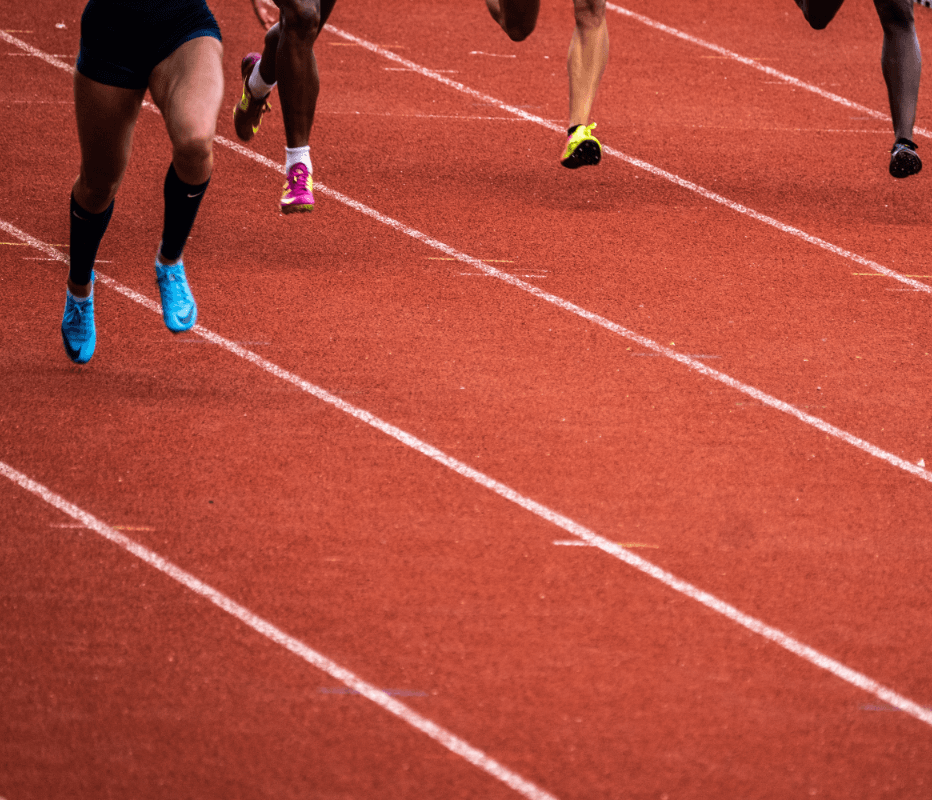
<point x="571" y="669"/>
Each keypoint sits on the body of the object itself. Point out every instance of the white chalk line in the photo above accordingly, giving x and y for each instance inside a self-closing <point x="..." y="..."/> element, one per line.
<point x="710" y="601"/>
<point x="640" y="164"/>
<point x="565" y="305"/>
<point x="750" y="62"/>
<point x="261" y="626"/>
<point x="541" y="511"/>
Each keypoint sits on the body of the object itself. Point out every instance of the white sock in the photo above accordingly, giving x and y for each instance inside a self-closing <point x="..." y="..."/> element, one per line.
<point x="257" y="87"/>
<point x="298" y="155"/>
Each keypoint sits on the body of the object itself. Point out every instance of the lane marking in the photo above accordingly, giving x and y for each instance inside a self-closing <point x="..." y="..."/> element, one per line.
<point x="26" y="244"/>
<point x="406" y="69"/>
<point x="460" y="117"/>
<point x="750" y="62"/>
<point x="440" y="735"/>
<point x="390" y="692"/>
<point x="559" y="302"/>
<point x="566" y="305"/>
<point x="578" y="543"/>
<point x="642" y="165"/>
<point x="710" y="601"/>
<point x="73" y="525"/>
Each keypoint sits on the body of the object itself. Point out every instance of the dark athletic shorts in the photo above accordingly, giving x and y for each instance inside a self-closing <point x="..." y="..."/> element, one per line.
<point x="123" y="40"/>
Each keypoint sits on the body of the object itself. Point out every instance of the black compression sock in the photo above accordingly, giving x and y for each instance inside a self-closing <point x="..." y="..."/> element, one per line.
<point x="572" y="130"/>
<point x="182" y="201"/>
<point x="87" y="230"/>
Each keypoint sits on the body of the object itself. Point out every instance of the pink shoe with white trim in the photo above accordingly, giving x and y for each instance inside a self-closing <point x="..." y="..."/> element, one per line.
<point x="297" y="194"/>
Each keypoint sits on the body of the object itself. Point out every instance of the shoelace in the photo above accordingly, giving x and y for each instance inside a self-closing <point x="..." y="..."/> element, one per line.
<point x="299" y="178"/>
<point x="175" y="287"/>
<point x="74" y="318"/>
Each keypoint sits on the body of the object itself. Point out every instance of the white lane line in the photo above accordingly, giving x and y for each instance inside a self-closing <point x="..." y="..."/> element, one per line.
<point x="642" y="165"/>
<point x="750" y="62"/>
<point x="565" y="305"/>
<point x="635" y="162"/>
<point x="727" y="610"/>
<point x="440" y="735"/>
<point x="559" y="302"/>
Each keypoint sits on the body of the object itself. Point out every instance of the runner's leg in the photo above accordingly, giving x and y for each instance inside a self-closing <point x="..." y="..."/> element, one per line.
<point x="901" y="61"/>
<point x="106" y="117"/>
<point x="188" y="89"/>
<point x="588" y="56"/>
<point x="289" y="58"/>
<point x="517" y="18"/>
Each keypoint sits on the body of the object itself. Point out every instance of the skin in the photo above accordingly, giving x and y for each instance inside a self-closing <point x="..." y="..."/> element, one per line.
<point x="288" y="58"/>
<point x="187" y="87"/>
<point x="588" y="52"/>
<point x="900" y="61"/>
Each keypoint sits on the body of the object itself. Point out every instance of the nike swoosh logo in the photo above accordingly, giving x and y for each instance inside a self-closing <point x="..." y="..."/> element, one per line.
<point x="187" y="317"/>
<point x="198" y="193"/>
<point x="78" y="216"/>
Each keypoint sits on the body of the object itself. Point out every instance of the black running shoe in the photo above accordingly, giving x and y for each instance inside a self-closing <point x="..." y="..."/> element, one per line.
<point x="904" y="161"/>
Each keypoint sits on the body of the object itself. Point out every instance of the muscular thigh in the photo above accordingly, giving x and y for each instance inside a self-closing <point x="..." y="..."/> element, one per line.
<point x="106" y="117"/>
<point x="188" y="89"/>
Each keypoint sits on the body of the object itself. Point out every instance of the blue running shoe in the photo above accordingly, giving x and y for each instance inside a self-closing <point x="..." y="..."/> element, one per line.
<point x="77" y="328"/>
<point x="178" y="307"/>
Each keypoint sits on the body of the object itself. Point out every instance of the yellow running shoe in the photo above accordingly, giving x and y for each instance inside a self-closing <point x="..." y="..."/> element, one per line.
<point x="582" y="148"/>
<point x="247" y="115"/>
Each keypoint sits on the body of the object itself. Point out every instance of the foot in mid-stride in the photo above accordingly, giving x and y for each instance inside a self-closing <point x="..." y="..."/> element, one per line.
<point x="178" y="307"/>
<point x="77" y="328"/>
<point x="582" y="148"/>
<point x="247" y="115"/>
<point x="297" y="193"/>
<point x="904" y="161"/>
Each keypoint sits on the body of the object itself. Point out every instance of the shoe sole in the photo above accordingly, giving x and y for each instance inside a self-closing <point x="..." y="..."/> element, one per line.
<point x="588" y="154"/>
<point x="904" y="164"/>
<point x="298" y="209"/>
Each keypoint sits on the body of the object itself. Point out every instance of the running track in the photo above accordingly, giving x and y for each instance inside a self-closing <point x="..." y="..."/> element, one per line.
<point x="490" y="479"/>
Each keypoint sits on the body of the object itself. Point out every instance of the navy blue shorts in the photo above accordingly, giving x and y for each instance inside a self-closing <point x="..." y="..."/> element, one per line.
<point x="123" y="40"/>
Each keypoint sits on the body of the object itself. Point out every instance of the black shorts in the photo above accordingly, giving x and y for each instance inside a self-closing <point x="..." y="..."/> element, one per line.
<point x="123" y="40"/>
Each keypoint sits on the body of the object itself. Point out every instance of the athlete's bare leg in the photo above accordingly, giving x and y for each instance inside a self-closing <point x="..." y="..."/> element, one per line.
<point x="187" y="87"/>
<point x="288" y="58"/>
<point x="588" y="56"/>
<point x="106" y="117"/>
<point x="516" y="17"/>
<point x="901" y="61"/>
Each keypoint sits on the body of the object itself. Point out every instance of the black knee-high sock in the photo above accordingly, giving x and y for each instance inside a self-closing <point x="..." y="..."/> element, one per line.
<point x="182" y="201"/>
<point x="87" y="230"/>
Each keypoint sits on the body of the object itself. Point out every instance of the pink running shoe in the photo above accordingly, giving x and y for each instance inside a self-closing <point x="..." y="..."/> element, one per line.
<point x="297" y="195"/>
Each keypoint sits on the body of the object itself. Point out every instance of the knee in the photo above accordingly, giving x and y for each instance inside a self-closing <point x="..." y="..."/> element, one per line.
<point x="301" y="17"/>
<point x="519" y="30"/>
<point x="94" y="192"/>
<point x="519" y="34"/>
<point x="895" y="13"/>
<point x="589" y="13"/>
<point x="194" y="149"/>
